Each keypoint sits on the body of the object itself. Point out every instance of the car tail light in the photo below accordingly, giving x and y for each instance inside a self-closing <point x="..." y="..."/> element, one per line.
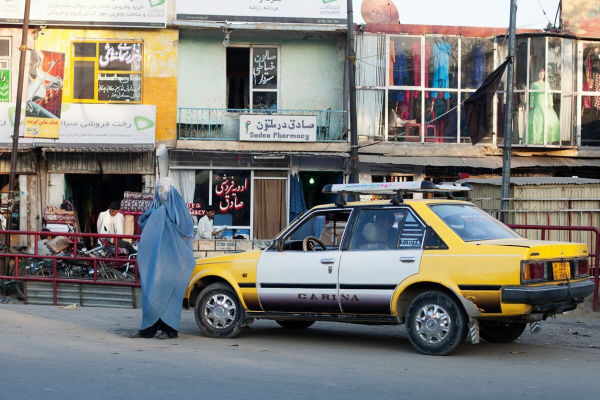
<point x="534" y="271"/>
<point x="582" y="267"/>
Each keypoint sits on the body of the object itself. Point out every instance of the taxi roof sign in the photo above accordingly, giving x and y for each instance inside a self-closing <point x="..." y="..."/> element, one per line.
<point x="393" y="188"/>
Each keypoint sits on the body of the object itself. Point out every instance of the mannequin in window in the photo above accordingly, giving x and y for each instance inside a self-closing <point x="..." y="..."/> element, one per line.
<point x="542" y="114"/>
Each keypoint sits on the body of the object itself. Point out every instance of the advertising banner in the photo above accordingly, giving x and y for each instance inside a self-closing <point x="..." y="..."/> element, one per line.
<point x="581" y="17"/>
<point x="109" y="13"/>
<point x="93" y="125"/>
<point x="288" y="11"/>
<point x="231" y="197"/>
<point x="278" y="128"/>
<point x="4" y="85"/>
<point x="44" y="94"/>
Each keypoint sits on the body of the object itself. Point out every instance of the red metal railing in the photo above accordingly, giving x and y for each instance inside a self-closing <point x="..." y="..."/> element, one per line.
<point x="73" y="257"/>
<point x="592" y="253"/>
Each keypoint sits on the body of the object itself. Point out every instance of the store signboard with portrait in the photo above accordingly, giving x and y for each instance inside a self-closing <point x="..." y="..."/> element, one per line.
<point x="109" y="13"/>
<point x="44" y="94"/>
<point x="289" y="11"/>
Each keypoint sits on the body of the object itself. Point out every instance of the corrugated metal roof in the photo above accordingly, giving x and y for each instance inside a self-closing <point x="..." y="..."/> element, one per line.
<point x="487" y="162"/>
<point x="532" y="181"/>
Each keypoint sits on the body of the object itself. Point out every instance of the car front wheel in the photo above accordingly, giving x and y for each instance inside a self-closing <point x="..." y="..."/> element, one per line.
<point x="218" y="311"/>
<point x="436" y="323"/>
<point x="500" y="332"/>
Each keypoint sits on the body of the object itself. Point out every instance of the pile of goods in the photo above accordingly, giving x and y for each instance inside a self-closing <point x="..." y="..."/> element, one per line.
<point x="136" y="202"/>
<point x="56" y="215"/>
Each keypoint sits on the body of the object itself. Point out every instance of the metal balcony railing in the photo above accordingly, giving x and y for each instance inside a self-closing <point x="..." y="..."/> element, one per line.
<point x="224" y="124"/>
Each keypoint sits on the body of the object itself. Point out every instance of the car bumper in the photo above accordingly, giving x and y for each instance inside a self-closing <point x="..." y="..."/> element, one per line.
<point x="538" y="295"/>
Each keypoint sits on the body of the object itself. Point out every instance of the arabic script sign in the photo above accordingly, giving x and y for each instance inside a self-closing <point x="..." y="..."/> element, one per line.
<point x="264" y="68"/>
<point x="4" y="85"/>
<point x="111" y="13"/>
<point x="231" y="195"/>
<point x="332" y="12"/>
<point x="85" y="125"/>
<point x="278" y="128"/>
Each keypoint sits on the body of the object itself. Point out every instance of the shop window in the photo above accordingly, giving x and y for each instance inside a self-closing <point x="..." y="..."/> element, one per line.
<point x="590" y="121"/>
<point x="590" y="100"/>
<point x="477" y="61"/>
<point x="229" y="192"/>
<point x="404" y="115"/>
<point x="252" y="77"/>
<point x="405" y="61"/>
<point x="465" y="136"/>
<point x="442" y="116"/>
<point x="442" y="66"/>
<point x="107" y="71"/>
<point x="4" y="70"/>
<point x="537" y="62"/>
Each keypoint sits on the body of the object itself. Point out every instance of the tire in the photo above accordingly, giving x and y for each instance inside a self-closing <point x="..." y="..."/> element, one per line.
<point x="436" y="323"/>
<point x="500" y="332"/>
<point x="112" y="274"/>
<point x="20" y="285"/>
<point x="295" y="324"/>
<point x="218" y="311"/>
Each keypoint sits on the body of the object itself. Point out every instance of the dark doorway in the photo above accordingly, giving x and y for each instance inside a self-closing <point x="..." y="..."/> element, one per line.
<point x="238" y="77"/>
<point x="92" y="194"/>
<point x="313" y="183"/>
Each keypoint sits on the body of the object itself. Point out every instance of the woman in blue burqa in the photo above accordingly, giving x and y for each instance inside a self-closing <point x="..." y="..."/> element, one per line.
<point x="165" y="261"/>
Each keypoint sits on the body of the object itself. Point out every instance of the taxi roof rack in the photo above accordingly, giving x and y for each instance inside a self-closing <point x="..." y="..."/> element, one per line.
<point x="395" y="189"/>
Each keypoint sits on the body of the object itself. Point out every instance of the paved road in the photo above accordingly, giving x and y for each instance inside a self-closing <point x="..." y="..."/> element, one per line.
<point x="50" y="353"/>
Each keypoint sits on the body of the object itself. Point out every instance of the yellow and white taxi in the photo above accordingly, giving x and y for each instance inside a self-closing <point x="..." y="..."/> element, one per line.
<point x="442" y="267"/>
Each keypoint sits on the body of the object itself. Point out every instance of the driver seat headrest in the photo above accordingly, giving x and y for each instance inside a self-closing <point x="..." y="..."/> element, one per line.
<point x="374" y="232"/>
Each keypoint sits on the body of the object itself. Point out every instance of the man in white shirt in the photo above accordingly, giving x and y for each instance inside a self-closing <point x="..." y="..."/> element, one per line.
<point x="111" y="222"/>
<point x="205" y="226"/>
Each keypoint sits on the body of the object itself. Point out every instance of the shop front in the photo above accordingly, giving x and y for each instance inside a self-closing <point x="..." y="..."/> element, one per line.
<point x="255" y="195"/>
<point x="412" y="86"/>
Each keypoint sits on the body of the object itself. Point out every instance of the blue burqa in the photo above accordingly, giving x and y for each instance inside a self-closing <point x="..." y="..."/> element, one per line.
<point x="165" y="256"/>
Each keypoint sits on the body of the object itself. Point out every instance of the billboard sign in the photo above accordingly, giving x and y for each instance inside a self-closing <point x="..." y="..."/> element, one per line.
<point x="333" y="12"/>
<point x="108" y="13"/>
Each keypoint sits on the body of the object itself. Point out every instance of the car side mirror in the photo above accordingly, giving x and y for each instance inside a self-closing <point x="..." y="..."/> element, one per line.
<point x="279" y="243"/>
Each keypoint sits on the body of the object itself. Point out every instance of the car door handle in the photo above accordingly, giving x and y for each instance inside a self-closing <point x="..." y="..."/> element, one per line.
<point x="408" y="259"/>
<point x="327" y="260"/>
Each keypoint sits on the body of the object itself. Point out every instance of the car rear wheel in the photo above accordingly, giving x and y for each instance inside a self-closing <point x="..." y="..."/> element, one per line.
<point x="218" y="311"/>
<point x="500" y="332"/>
<point x="295" y="324"/>
<point x="436" y="323"/>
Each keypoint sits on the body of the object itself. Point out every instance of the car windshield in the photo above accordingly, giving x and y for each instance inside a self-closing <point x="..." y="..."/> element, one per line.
<point x="470" y="223"/>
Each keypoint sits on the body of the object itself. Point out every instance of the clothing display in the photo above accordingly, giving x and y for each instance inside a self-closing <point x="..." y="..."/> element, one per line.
<point x="400" y="77"/>
<point x="416" y="53"/>
<point x="135" y="201"/>
<point x="441" y="65"/>
<point x="542" y="117"/>
<point x="478" y="71"/>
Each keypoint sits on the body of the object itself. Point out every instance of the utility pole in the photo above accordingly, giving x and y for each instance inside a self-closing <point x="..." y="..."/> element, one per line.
<point x="508" y="117"/>
<point x="351" y="58"/>
<point x="15" y="138"/>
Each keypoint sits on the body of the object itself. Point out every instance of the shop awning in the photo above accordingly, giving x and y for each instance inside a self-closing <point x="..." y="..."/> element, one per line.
<point x="487" y="162"/>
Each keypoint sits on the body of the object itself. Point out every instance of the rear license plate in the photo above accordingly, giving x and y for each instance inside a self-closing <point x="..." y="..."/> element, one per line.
<point x="561" y="270"/>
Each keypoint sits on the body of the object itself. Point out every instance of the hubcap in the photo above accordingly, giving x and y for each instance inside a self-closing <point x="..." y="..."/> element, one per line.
<point x="432" y="323"/>
<point x="220" y="311"/>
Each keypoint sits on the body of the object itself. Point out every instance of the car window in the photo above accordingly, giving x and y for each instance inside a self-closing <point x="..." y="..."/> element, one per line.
<point x="327" y="226"/>
<point x="377" y="229"/>
<point x="471" y="223"/>
<point x="412" y="233"/>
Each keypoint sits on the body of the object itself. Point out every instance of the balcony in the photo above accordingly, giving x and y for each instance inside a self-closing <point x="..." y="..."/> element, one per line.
<point x="224" y="124"/>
